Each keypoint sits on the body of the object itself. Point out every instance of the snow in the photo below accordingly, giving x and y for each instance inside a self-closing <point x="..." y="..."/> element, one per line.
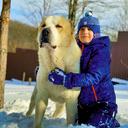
<point x="17" y="98"/>
<point x="121" y="81"/>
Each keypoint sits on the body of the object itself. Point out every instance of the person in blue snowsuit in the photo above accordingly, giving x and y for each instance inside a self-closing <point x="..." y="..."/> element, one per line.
<point x="97" y="101"/>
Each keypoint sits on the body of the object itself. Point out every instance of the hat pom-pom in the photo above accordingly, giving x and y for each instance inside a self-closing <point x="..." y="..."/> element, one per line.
<point x="89" y="13"/>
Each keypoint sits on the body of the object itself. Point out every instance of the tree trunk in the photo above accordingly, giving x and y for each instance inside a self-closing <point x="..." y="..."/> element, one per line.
<point x="72" y="11"/>
<point x="4" y="25"/>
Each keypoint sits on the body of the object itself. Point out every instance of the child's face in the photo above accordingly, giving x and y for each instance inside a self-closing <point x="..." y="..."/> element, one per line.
<point x="85" y="35"/>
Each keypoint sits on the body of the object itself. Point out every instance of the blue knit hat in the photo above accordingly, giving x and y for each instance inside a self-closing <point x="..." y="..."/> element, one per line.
<point x="91" y="22"/>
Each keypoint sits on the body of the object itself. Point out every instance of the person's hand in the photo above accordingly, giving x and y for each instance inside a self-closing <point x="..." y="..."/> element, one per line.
<point x="57" y="76"/>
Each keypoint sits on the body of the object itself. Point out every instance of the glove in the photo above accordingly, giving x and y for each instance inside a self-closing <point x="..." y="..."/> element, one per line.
<point x="57" y="76"/>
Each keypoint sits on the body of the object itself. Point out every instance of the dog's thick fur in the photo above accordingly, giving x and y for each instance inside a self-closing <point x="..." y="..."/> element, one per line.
<point x="57" y="49"/>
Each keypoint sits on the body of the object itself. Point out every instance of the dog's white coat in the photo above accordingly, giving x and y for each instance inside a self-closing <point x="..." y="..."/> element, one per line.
<point x="66" y="56"/>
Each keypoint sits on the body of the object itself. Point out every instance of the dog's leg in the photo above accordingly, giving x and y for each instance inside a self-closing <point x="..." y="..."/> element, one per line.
<point x="32" y="102"/>
<point x="59" y="110"/>
<point x="71" y="111"/>
<point x="41" y="104"/>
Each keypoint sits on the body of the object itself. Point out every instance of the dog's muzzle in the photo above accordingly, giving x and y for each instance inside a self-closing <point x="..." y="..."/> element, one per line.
<point x="44" y="37"/>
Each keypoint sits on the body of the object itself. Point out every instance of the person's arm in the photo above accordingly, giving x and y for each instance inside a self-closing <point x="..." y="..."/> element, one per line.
<point x="97" y="69"/>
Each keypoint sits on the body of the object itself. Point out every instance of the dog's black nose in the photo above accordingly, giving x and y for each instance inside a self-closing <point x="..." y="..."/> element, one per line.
<point x="45" y="36"/>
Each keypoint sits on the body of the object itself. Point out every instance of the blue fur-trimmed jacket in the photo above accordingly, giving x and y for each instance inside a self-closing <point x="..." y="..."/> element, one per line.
<point x="94" y="70"/>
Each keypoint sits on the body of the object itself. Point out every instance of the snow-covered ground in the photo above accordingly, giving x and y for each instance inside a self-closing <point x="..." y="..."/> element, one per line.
<point x="17" y="98"/>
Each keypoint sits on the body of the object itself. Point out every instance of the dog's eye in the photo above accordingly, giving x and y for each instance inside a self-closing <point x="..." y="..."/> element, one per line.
<point x="58" y="26"/>
<point x="43" y="25"/>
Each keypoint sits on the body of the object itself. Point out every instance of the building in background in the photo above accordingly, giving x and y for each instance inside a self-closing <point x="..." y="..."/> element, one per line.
<point x="119" y="65"/>
<point x="22" y="63"/>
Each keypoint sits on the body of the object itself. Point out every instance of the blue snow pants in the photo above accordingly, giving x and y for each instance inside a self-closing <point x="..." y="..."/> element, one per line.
<point x="98" y="115"/>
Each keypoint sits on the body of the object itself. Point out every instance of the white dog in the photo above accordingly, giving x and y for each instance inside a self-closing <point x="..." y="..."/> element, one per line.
<point x="57" y="48"/>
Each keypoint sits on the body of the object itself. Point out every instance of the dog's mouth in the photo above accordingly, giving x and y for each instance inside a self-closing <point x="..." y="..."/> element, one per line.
<point x="54" y="46"/>
<point x="48" y="45"/>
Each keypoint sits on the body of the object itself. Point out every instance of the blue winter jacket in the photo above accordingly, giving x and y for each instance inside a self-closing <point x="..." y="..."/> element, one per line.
<point x="94" y="70"/>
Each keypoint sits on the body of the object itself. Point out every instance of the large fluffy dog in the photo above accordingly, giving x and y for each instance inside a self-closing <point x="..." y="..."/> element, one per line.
<point x="57" y="48"/>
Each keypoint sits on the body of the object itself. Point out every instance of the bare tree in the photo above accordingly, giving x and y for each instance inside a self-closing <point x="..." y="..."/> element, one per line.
<point x="124" y="16"/>
<point x="46" y="6"/>
<point x="4" y="26"/>
<point x="80" y="9"/>
<point x="121" y="18"/>
<point x="72" y="11"/>
<point x="76" y="9"/>
<point x="35" y="10"/>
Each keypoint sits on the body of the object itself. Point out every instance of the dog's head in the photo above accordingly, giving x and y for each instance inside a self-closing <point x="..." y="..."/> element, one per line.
<point x="55" y="31"/>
